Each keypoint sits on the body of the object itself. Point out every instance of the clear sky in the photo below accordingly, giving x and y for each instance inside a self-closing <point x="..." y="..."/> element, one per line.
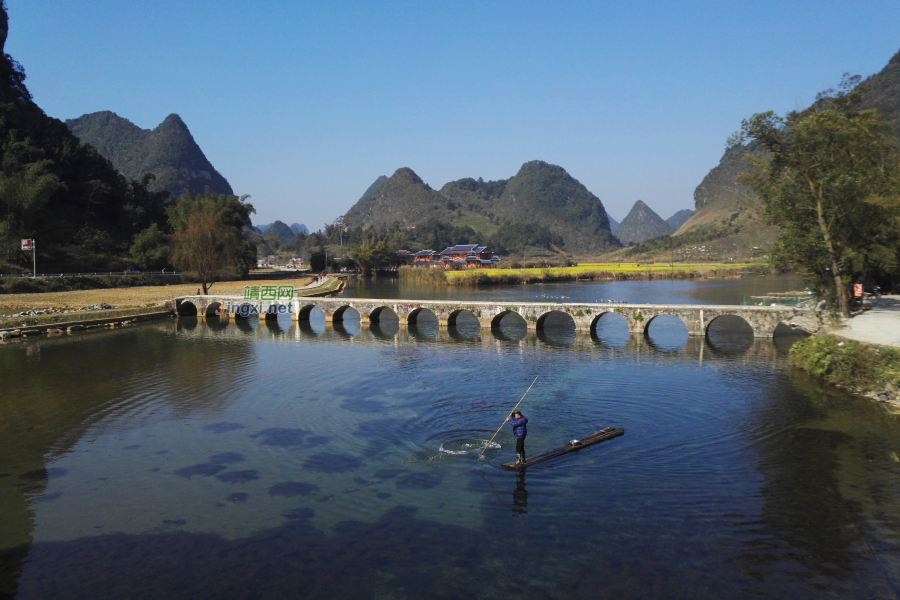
<point x="303" y="104"/>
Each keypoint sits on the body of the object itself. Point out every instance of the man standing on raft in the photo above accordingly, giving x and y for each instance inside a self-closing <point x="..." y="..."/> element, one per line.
<point x="518" y="421"/>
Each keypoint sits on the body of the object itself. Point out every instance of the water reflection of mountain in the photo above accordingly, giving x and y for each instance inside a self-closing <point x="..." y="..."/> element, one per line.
<point x="96" y="380"/>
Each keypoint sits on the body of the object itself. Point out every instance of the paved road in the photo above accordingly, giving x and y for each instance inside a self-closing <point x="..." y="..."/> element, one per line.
<point x="880" y="325"/>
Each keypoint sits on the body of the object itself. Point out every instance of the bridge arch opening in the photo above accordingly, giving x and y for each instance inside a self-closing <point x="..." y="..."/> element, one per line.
<point x="666" y="332"/>
<point x="508" y="318"/>
<point x="345" y="313"/>
<point x="186" y="308"/>
<point x="212" y="308"/>
<point x="464" y="322"/>
<point x="729" y="333"/>
<point x="556" y="319"/>
<point x="383" y="313"/>
<point x="310" y="311"/>
<point x="784" y="336"/>
<point x="611" y="329"/>
<point x="556" y="328"/>
<point x="463" y="325"/>
<point x="422" y="323"/>
<point x="421" y="316"/>
<point x="509" y="325"/>
<point x="346" y="329"/>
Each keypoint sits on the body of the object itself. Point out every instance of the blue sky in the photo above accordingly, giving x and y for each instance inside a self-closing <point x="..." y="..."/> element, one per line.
<point x="302" y="105"/>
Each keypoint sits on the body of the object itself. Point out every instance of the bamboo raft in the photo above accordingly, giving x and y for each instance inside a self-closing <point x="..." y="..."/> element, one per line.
<point x="607" y="433"/>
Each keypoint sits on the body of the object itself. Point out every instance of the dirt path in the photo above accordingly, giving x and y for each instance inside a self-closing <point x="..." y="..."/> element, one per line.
<point x="879" y="325"/>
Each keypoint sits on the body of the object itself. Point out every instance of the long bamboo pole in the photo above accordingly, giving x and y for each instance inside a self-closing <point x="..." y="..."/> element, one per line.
<point x="511" y="412"/>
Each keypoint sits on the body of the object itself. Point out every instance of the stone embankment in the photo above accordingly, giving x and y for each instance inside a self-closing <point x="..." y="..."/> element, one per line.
<point x="74" y="326"/>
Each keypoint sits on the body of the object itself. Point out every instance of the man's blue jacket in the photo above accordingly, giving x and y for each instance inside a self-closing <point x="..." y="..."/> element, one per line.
<point x="518" y="426"/>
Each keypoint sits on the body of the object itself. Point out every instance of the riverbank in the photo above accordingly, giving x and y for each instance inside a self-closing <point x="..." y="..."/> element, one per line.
<point x="583" y="272"/>
<point x="125" y="301"/>
<point x="868" y="370"/>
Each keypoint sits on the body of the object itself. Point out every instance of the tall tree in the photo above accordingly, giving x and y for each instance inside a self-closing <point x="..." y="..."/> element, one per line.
<point x="822" y="176"/>
<point x="372" y="255"/>
<point x="207" y="241"/>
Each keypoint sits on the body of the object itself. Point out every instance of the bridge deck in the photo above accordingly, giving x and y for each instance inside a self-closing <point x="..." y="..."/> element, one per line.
<point x="697" y="317"/>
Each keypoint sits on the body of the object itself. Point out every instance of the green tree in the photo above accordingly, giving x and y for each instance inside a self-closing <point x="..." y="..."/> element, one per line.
<point x="150" y="249"/>
<point x="821" y="180"/>
<point x="22" y="194"/>
<point x="372" y="255"/>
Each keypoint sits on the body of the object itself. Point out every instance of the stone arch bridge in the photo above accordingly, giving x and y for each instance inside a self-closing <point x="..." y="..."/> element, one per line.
<point x="762" y="319"/>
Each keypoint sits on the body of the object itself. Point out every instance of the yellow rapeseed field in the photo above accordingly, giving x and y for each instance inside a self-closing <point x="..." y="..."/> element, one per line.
<point x="616" y="267"/>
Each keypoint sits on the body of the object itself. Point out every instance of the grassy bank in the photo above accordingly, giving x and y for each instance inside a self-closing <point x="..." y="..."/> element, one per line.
<point x="132" y="297"/>
<point x="866" y="369"/>
<point x="28" y="285"/>
<point x="582" y="272"/>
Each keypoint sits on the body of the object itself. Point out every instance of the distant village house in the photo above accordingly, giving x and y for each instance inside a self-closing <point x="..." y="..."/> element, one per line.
<point x="468" y="256"/>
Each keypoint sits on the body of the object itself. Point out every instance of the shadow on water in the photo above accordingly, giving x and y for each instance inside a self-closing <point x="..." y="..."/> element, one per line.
<point x="558" y="329"/>
<point x="520" y="495"/>
<point x="275" y="327"/>
<point x="217" y="324"/>
<point x="246" y="325"/>
<point x="422" y="331"/>
<point x="385" y="330"/>
<point x="342" y="330"/>
<point x="187" y="323"/>
<point x="306" y="331"/>
<point x="729" y="334"/>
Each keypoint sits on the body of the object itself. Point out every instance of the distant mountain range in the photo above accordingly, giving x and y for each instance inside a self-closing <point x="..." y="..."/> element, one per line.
<point x="541" y="199"/>
<point x="281" y="229"/>
<point x="613" y="224"/>
<point x="641" y="224"/>
<point x="679" y="218"/>
<point x="169" y="152"/>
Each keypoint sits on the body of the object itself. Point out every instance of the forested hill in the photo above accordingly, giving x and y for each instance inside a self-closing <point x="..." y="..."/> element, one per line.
<point x="542" y="206"/>
<point x="882" y="92"/>
<point x="63" y="193"/>
<point x="169" y="152"/>
<point x="727" y="210"/>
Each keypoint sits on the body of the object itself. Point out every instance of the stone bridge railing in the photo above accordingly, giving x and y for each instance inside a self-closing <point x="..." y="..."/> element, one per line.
<point x="762" y="319"/>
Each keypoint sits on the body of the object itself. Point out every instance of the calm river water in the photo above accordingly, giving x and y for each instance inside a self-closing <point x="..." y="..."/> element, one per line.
<point x="199" y="459"/>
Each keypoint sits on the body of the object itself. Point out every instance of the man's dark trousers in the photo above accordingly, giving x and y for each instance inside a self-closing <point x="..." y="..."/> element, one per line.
<point x="520" y="446"/>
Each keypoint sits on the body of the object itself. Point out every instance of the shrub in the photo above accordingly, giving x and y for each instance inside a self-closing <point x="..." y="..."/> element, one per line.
<point x="847" y="363"/>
